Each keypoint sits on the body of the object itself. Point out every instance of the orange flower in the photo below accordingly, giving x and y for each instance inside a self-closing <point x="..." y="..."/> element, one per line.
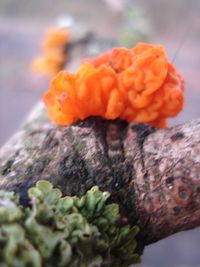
<point x="138" y="85"/>
<point x="54" y="56"/>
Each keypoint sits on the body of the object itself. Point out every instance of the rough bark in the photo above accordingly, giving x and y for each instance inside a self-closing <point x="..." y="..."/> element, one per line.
<point x="154" y="174"/>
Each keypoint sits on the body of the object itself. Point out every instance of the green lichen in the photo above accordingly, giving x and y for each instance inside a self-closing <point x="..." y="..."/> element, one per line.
<point x="65" y="231"/>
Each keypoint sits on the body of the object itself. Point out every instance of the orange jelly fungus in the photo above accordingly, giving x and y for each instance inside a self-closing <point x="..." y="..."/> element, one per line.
<point x="137" y="85"/>
<point x="54" y="56"/>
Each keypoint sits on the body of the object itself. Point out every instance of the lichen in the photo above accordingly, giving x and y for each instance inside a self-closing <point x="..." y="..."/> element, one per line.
<point x="56" y="231"/>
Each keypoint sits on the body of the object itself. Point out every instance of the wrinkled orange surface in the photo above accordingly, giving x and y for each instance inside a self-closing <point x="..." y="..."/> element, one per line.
<point x="53" y="47"/>
<point x="138" y="85"/>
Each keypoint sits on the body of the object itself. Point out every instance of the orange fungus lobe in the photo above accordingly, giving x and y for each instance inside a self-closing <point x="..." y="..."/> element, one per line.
<point x="138" y="85"/>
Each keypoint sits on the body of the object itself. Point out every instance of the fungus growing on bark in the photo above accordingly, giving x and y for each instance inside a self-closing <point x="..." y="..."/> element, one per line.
<point x="53" y="50"/>
<point x="137" y="85"/>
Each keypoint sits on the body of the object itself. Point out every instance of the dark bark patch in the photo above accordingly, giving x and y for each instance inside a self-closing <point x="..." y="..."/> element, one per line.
<point x="21" y="189"/>
<point x="50" y="141"/>
<point x="34" y="132"/>
<point x="38" y="167"/>
<point x="177" y="136"/>
<point x="192" y="207"/>
<point x="30" y="176"/>
<point x="169" y="182"/>
<point x="198" y="189"/>
<point x="74" y="175"/>
<point x="7" y="168"/>
<point x="143" y="130"/>
<point x="176" y="210"/>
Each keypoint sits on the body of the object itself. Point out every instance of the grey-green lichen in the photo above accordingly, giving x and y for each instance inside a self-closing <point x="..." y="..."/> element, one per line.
<point x="58" y="231"/>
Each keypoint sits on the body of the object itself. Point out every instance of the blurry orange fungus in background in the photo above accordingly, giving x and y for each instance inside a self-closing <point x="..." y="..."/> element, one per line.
<point x="54" y="52"/>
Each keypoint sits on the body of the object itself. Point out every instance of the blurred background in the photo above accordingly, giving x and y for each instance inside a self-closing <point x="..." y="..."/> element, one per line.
<point x="175" y="24"/>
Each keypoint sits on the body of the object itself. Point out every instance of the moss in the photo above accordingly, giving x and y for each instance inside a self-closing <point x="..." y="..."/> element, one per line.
<point x="61" y="231"/>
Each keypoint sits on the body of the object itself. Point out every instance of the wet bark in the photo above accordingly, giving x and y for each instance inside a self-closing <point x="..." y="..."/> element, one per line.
<point x="154" y="174"/>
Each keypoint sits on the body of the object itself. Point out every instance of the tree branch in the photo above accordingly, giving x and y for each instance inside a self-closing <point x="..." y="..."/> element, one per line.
<point x="153" y="174"/>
